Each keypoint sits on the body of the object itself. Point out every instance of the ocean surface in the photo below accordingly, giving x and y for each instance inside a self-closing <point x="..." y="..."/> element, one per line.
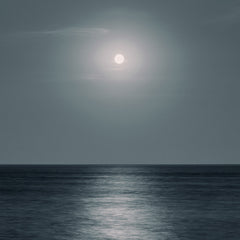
<point x="119" y="202"/>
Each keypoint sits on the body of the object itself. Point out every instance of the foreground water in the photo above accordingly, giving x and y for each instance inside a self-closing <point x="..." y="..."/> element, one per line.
<point x="119" y="202"/>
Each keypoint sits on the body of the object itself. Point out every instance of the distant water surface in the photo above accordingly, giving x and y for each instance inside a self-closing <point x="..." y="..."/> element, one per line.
<point x="119" y="202"/>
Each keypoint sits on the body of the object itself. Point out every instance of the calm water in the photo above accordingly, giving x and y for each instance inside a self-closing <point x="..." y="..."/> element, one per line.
<point x="119" y="202"/>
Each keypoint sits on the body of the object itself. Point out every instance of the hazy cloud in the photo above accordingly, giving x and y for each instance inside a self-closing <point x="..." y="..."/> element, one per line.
<point x="74" y="31"/>
<point x="71" y="31"/>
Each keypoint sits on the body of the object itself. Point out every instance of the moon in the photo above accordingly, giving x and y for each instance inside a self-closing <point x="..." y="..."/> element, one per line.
<point x="119" y="59"/>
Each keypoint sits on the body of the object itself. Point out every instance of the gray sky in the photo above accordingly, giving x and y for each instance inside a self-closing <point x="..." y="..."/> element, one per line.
<point x="175" y="100"/>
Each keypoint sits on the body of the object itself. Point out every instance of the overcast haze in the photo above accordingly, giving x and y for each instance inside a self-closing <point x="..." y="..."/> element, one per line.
<point x="175" y="100"/>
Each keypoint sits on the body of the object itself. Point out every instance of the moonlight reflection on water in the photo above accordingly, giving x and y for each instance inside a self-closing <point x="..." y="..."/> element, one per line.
<point x="124" y="209"/>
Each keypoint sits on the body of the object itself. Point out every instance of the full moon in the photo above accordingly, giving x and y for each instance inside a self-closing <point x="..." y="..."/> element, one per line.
<point x="119" y="59"/>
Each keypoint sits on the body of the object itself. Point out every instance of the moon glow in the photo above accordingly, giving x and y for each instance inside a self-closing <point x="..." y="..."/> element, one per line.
<point x="119" y="59"/>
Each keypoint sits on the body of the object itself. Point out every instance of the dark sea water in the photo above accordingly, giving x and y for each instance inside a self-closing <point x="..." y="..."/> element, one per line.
<point x="120" y="202"/>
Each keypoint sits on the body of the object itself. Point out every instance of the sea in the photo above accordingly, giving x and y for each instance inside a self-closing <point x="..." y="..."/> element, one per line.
<point x="118" y="202"/>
